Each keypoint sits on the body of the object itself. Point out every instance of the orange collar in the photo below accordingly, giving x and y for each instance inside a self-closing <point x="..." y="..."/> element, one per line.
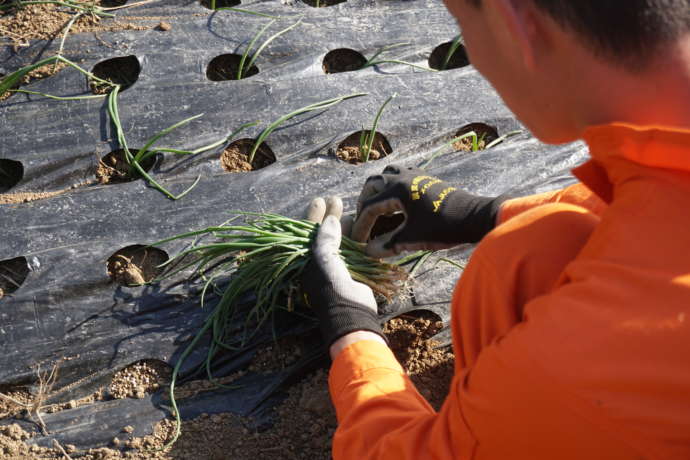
<point x="651" y="146"/>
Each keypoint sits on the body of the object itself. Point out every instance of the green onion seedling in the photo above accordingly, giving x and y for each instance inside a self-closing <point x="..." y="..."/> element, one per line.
<point x="476" y="141"/>
<point x="250" y="56"/>
<point x="309" y="108"/>
<point x="366" y="138"/>
<point x="454" y="46"/>
<point x="374" y="61"/>
<point x="146" y="152"/>
<point x="265" y="256"/>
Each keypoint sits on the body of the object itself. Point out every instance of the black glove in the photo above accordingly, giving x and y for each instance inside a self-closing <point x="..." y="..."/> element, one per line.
<point x="437" y="215"/>
<point x="341" y="304"/>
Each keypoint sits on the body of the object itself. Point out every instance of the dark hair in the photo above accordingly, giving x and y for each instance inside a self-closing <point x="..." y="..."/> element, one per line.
<point x="629" y="31"/>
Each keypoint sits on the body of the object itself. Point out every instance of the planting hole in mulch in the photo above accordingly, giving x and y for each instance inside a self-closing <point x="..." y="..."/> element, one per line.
<point x="13" y="273"/>
<point x="114" y="168"/>
<point x="343" y="60"/>
<point x="11" y="173"/>
<point x="135" y="265"/>
<point x="123" y="71"/>
<point x="220" y="3"/>
<point x="322" y="3"/>
<point x="430" y="368"/>
<point x="349" y="150"/>
<point x="235" y="158"/>
<point x="386" y="224"/>
<point x="457" y="60"/>
<point x="226" y="66"/>
<point x="485" y="135"/>
<point x="112" y="3"/>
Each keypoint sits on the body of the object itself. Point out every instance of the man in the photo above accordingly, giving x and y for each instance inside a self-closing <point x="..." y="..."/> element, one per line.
<point x="571" y="323"/>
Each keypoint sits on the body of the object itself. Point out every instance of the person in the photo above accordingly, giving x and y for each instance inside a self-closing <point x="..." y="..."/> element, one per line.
<point x="571" y="322"/>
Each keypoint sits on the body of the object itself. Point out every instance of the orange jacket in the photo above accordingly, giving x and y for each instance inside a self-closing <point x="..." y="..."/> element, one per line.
<point x="597" y="367"/>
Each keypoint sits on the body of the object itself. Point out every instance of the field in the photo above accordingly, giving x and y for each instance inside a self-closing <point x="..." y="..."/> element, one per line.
<point x="147" y="119"/>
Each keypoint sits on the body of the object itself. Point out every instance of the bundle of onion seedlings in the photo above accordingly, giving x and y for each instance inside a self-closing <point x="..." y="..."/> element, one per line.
<point x="266" y="256"/>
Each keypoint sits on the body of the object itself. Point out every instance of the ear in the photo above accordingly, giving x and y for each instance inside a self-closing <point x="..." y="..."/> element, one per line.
<point x="520" y="22"/>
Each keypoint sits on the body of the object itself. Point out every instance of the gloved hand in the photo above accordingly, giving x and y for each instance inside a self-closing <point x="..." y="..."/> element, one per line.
<point x="341" y="304"/>
<point x="437" y="215"/>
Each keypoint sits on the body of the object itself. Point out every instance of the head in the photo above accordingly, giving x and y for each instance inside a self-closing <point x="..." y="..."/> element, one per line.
<point x="563" y="65"/>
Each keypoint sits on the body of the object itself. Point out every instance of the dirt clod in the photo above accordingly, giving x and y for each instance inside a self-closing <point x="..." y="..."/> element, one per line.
<point x="164" y="26"/>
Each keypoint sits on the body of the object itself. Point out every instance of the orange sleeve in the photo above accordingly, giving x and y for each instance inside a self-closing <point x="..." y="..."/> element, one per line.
<point x="577" y="194"/>
<point x="505" y="406"/>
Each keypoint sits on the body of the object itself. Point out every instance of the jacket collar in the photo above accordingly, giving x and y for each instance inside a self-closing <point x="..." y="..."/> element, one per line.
<point x="651" y="146"/>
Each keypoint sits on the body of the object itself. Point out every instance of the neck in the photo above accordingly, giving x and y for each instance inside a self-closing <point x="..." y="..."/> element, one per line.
<point x="659" y="94"/>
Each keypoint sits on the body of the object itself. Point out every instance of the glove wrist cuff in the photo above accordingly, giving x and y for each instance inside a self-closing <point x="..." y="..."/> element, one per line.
<point x="343" y="319"/>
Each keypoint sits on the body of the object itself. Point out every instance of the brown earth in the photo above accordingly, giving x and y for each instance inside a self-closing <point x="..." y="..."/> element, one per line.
<point x="485" y="135"/>
<point x="305" y="421"/>
<point x="349" y="149"/>
<point x="235" y="158"/>
<point x="135" y="265"/>
<point x="114" y="168"/>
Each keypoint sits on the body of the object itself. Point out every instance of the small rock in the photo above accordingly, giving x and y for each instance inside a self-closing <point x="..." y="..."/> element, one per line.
<point x="164" y="26"/>
<point x="115" y="442"/>
<point x="128" y="429"/>
<point x="72" y="404"/>
<point x="70" y="448"/>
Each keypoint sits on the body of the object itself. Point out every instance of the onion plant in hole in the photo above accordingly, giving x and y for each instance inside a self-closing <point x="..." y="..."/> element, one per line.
<point x="366" y="139"/>
<point x="249" y="58"/>
<point x="454" y="46"/>
<point x="309" y="108"/>
<point x="112" y="108"/>
<point x="374" y="60"/>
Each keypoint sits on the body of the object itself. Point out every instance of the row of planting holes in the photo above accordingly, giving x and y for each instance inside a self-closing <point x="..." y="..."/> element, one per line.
<point x="12" y="172"/>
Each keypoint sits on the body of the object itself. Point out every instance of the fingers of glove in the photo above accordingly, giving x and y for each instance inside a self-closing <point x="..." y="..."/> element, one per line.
<point x="334" y="207"/>
<point x="326" y="250"/>
<point x="367" y="218"/>
<point x="316" y="210"/>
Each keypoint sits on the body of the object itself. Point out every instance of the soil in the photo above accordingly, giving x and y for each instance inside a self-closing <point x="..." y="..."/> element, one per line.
<point x="485" y="135"/>
<point x="47" y="22"/>
<point x="457" y="60"/>
<point x="235" y="158"/>
<point x="276" y="356"/>
<point x="343" y="60"/>
<point x="430" y="368"/>
<point x="349" y="150"/>
<point x="139" y="379"/>
<point x="135" y="265"/>
<point x="305" y="421"/>
<point x="27" y="197"/>
<point x="226" y="66"/>
<point x="114" y="168"/>
<point x="13" y="273"/>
